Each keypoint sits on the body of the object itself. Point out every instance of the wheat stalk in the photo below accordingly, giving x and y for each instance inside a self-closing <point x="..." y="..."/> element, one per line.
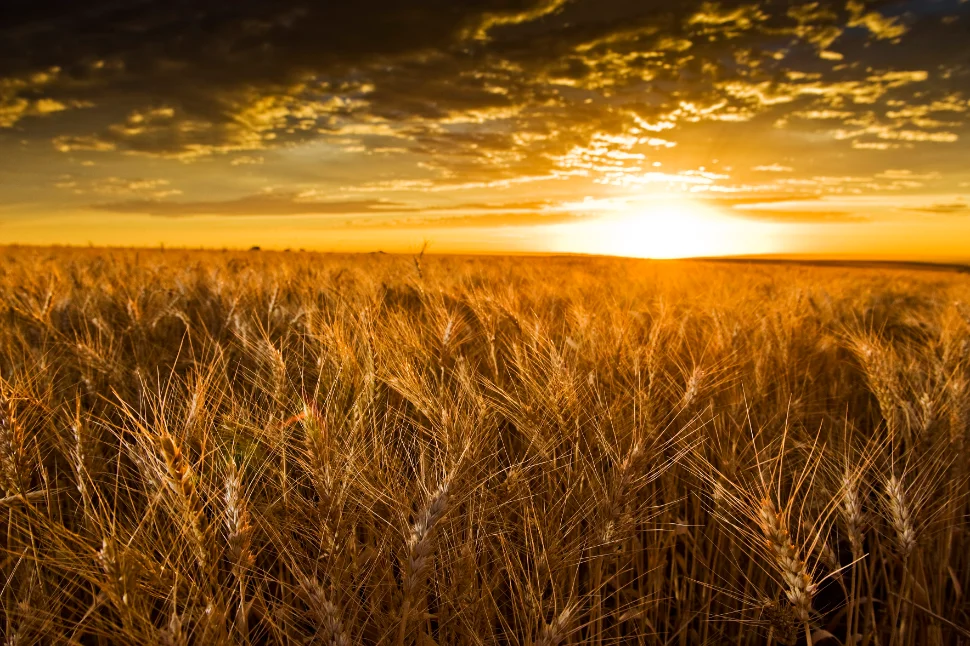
<point x="181" y="481"/>
<point x="317" y="451"/>
<point x="239" y="532"/>
<point x="327" y="614"/>
<point x="621" y="485"/>
<point x="237" y="522"/>
<point x="419" y="539"/>
<point x="13" y="474"/>
<point x="799" y="588"/>
<point x="851" y="512"/>
<point x="900" y="515"/>
<point x="553" y="633"/>
<point x="419" y="551"/>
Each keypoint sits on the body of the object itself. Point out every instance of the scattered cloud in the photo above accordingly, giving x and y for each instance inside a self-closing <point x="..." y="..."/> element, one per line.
<point x="246" y="160"/>
<point x="69" y="143"/>
<point x="904" y="174"/>
<point x="22" y="96"/>
<point x="118" y="187"/>
<point x="773" y="168"/>
<point x="880" y="26"/>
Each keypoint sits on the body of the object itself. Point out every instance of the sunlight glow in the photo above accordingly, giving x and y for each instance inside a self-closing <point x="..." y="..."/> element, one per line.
<point x="665" y="227"/>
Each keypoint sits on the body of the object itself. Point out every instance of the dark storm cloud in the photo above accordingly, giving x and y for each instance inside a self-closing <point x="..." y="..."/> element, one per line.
<point x="226" y="44"/>
<point x="227" y="73"/>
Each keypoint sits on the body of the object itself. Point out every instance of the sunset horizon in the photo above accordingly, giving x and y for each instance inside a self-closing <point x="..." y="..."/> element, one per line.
<point x="735" y="128"/>
<point x="426" y="248"/>
<point x="485" y="322"/>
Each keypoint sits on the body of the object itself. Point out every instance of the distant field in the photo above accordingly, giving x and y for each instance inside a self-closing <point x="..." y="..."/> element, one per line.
<point x="291" y="448"/>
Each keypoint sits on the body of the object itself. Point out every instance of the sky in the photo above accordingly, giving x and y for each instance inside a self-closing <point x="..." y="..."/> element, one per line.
<point x="629" y="127"/>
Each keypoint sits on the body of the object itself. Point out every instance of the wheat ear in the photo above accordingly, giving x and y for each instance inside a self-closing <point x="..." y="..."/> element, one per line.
<point x="327" y="613"/>
<point x="13" y="475"/>
<point x="182" y="482"/>
<point x="419" y="553"/>
<point x="851" y="509"/>
<point x="239" y="532"/>
<point x="900" y="515"/>
<point x="553" y="633"/>
<point x="799" y="587"/>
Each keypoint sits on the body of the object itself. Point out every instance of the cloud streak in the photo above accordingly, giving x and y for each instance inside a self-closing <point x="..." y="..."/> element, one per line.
<point x="253" y="205"/>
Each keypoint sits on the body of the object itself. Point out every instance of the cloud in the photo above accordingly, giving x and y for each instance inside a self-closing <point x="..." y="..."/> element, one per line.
<point x="68" y="144"/>
<point x="246" y="160"/>
<point x="773" y="168"/>
<point x="797" y="215"/>
<point x="21" y="97"/>
<point x="757" y="198"/>
<point x="950" y="208"/>
<point x="479" y="94"/>
<point x="495" y="19"/>
<point x="460" y="215"/>
<point x="118" y="187"/>
<point x="791" y="206"/>
<point x="254" y="205"/>
<point x="522" y="206"/>
<point x="905" y="174"/>
<point x="881" y="27"/>
<point x="511" y="215"/>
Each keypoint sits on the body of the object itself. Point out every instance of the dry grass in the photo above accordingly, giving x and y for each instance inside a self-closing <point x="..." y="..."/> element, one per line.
<point x="259" y="448"/>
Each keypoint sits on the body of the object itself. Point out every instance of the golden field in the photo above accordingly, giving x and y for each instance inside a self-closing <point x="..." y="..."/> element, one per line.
<point x="273" y="448"/>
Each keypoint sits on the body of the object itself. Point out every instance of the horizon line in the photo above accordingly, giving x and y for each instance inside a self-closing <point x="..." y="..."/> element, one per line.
<point x="961" y="265"/>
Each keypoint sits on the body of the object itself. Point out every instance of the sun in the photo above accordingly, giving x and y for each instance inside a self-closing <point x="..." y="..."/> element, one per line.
<point x="664" y="227"/>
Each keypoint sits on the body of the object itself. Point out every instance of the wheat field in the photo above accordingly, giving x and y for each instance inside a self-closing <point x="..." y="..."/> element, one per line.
<point x="292" y="448"/>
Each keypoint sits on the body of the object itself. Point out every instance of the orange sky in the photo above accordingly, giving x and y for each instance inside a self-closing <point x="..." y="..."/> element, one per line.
<point x="610" y="126"/>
